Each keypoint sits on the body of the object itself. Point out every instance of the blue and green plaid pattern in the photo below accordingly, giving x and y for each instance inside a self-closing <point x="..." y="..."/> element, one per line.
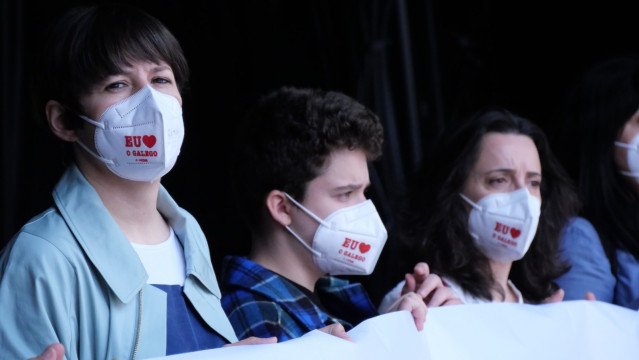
<point x="262" y="303"/>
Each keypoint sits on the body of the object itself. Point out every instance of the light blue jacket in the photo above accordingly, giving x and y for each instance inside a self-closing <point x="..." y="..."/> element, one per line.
<point x="71" y="276"/>
<point x="590" y="268"/>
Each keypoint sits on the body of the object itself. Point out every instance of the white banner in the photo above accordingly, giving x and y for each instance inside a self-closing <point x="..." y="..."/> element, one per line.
<point x="567" y="330"/>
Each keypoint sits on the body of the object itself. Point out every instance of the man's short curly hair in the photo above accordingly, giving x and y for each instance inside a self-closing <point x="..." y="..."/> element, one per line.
<point x="285" y="139"/>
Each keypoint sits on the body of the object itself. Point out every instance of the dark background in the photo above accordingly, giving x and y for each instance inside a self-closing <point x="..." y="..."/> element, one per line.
<point x="420" y="65"/>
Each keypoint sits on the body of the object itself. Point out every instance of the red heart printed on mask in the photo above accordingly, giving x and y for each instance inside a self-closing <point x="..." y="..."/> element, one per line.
<point x="515" y="232"/>
<point x="148" y="140"/>
<point x="364" y="247"/>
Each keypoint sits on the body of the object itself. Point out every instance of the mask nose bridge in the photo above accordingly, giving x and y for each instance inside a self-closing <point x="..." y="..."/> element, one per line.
<point x="523" y="189"/>
<point x="134" y="101"/>
<point x="520" y="183"/>
<point x="140" y="96"/>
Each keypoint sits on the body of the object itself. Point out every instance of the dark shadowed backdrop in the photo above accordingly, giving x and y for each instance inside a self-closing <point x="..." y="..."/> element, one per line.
<point x="421" y="65"/>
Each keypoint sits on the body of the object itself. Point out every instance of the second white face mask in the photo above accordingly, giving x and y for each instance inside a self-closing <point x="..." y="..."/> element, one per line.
<point x="349" y="241"/>
<point x="504" y="225"/>
<point x="633" y="156"/>
<point x="140" y="137"/>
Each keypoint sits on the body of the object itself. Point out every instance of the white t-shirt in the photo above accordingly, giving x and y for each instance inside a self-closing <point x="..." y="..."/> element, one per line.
<point x="466" y="298"/>
<point x="163" y="262"/>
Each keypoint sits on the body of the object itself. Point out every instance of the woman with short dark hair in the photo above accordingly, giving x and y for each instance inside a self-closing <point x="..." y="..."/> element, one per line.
<point x="115" y="268"/>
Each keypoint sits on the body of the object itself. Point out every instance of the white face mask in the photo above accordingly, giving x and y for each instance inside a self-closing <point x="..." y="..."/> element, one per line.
<point x="633" y="156"/>
<point x="504" y="225"/>
<point x="349" y="241"/>
<point x="140" y="137"/>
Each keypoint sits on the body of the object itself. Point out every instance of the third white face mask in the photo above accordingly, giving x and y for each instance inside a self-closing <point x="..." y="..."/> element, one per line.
<point x="504" y="225"/>
<point x="633" y="156"/>
<point x="349" y="241"/>
<point x="140" y="137"/>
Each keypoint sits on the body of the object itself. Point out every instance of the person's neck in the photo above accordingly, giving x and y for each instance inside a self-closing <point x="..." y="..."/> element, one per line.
<point x="502" y="291"/>
<point x="284" y="255"/>
<point x="133" y="204"/>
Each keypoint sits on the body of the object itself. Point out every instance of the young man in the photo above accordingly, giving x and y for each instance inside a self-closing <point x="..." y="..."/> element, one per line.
<point x="301" y="170"/>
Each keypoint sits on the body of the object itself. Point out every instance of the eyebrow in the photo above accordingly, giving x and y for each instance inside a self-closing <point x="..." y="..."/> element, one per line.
<point x="351" y="187"/>
<point x="507" y="170"/>
<point x="161" y="68"/>
<point x="157" y="68"/>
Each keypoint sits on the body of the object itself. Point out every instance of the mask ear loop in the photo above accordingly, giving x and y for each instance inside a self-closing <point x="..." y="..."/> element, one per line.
<point x="313" y="251"/>
<point x="315" y="217"/>
<point x="626" y="146"/>
<point x="470" y="202"/>
<point x="476" y="207"/>
<point x="93" y="122"/>
<point x="629" y="174"/>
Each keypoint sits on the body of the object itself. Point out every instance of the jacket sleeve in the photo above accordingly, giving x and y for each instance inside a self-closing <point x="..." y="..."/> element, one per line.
<point x="590" y="268"/>
<point x="37" y="287"/>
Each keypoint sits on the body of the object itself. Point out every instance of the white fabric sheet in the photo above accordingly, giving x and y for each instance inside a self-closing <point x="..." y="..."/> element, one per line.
<point x="566" y="330"/>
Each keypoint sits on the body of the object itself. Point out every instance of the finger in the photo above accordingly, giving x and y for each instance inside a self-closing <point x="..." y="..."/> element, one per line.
<point x="590" y="296"/>
<point x="426" y="288"/>
<point x="559" y="295"/>
<point x="336" y="330"/>
<point x="443" y="296"/>
<point x="420" y="273"/>
<point x="416" y="306"/>
<point x="556" y="297"/>
<point x="254" y="341"/>
<point x="453" y="301"/>
<point x="52" y="352"/>
<point x="421" y="269"/>
<point x="409" y="285"/>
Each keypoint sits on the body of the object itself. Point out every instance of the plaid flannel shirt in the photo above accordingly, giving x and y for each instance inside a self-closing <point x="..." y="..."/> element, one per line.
<point x="262" y="303"/>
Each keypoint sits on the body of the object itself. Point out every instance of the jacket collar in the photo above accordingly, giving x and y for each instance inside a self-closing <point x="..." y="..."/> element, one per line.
<point x="109" y="250"/>
<point x="188" y="231"/>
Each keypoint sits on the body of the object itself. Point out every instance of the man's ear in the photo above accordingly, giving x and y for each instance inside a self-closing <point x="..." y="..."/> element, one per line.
<point x="56" y="117"/>
<point x="279" y="207"/>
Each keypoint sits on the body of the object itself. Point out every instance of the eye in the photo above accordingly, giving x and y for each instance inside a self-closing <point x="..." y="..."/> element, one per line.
<point x="498" y="180"/>
<point x="115" y="85"/>
<point x="345" y="195"/>
<point x="535" y="183"/>
<point x="161" y="80"/>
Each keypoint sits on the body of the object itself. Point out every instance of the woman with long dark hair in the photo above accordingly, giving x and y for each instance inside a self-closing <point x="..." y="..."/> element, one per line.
<point x="602" y="246"/>
<point x="486" y="209"/>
